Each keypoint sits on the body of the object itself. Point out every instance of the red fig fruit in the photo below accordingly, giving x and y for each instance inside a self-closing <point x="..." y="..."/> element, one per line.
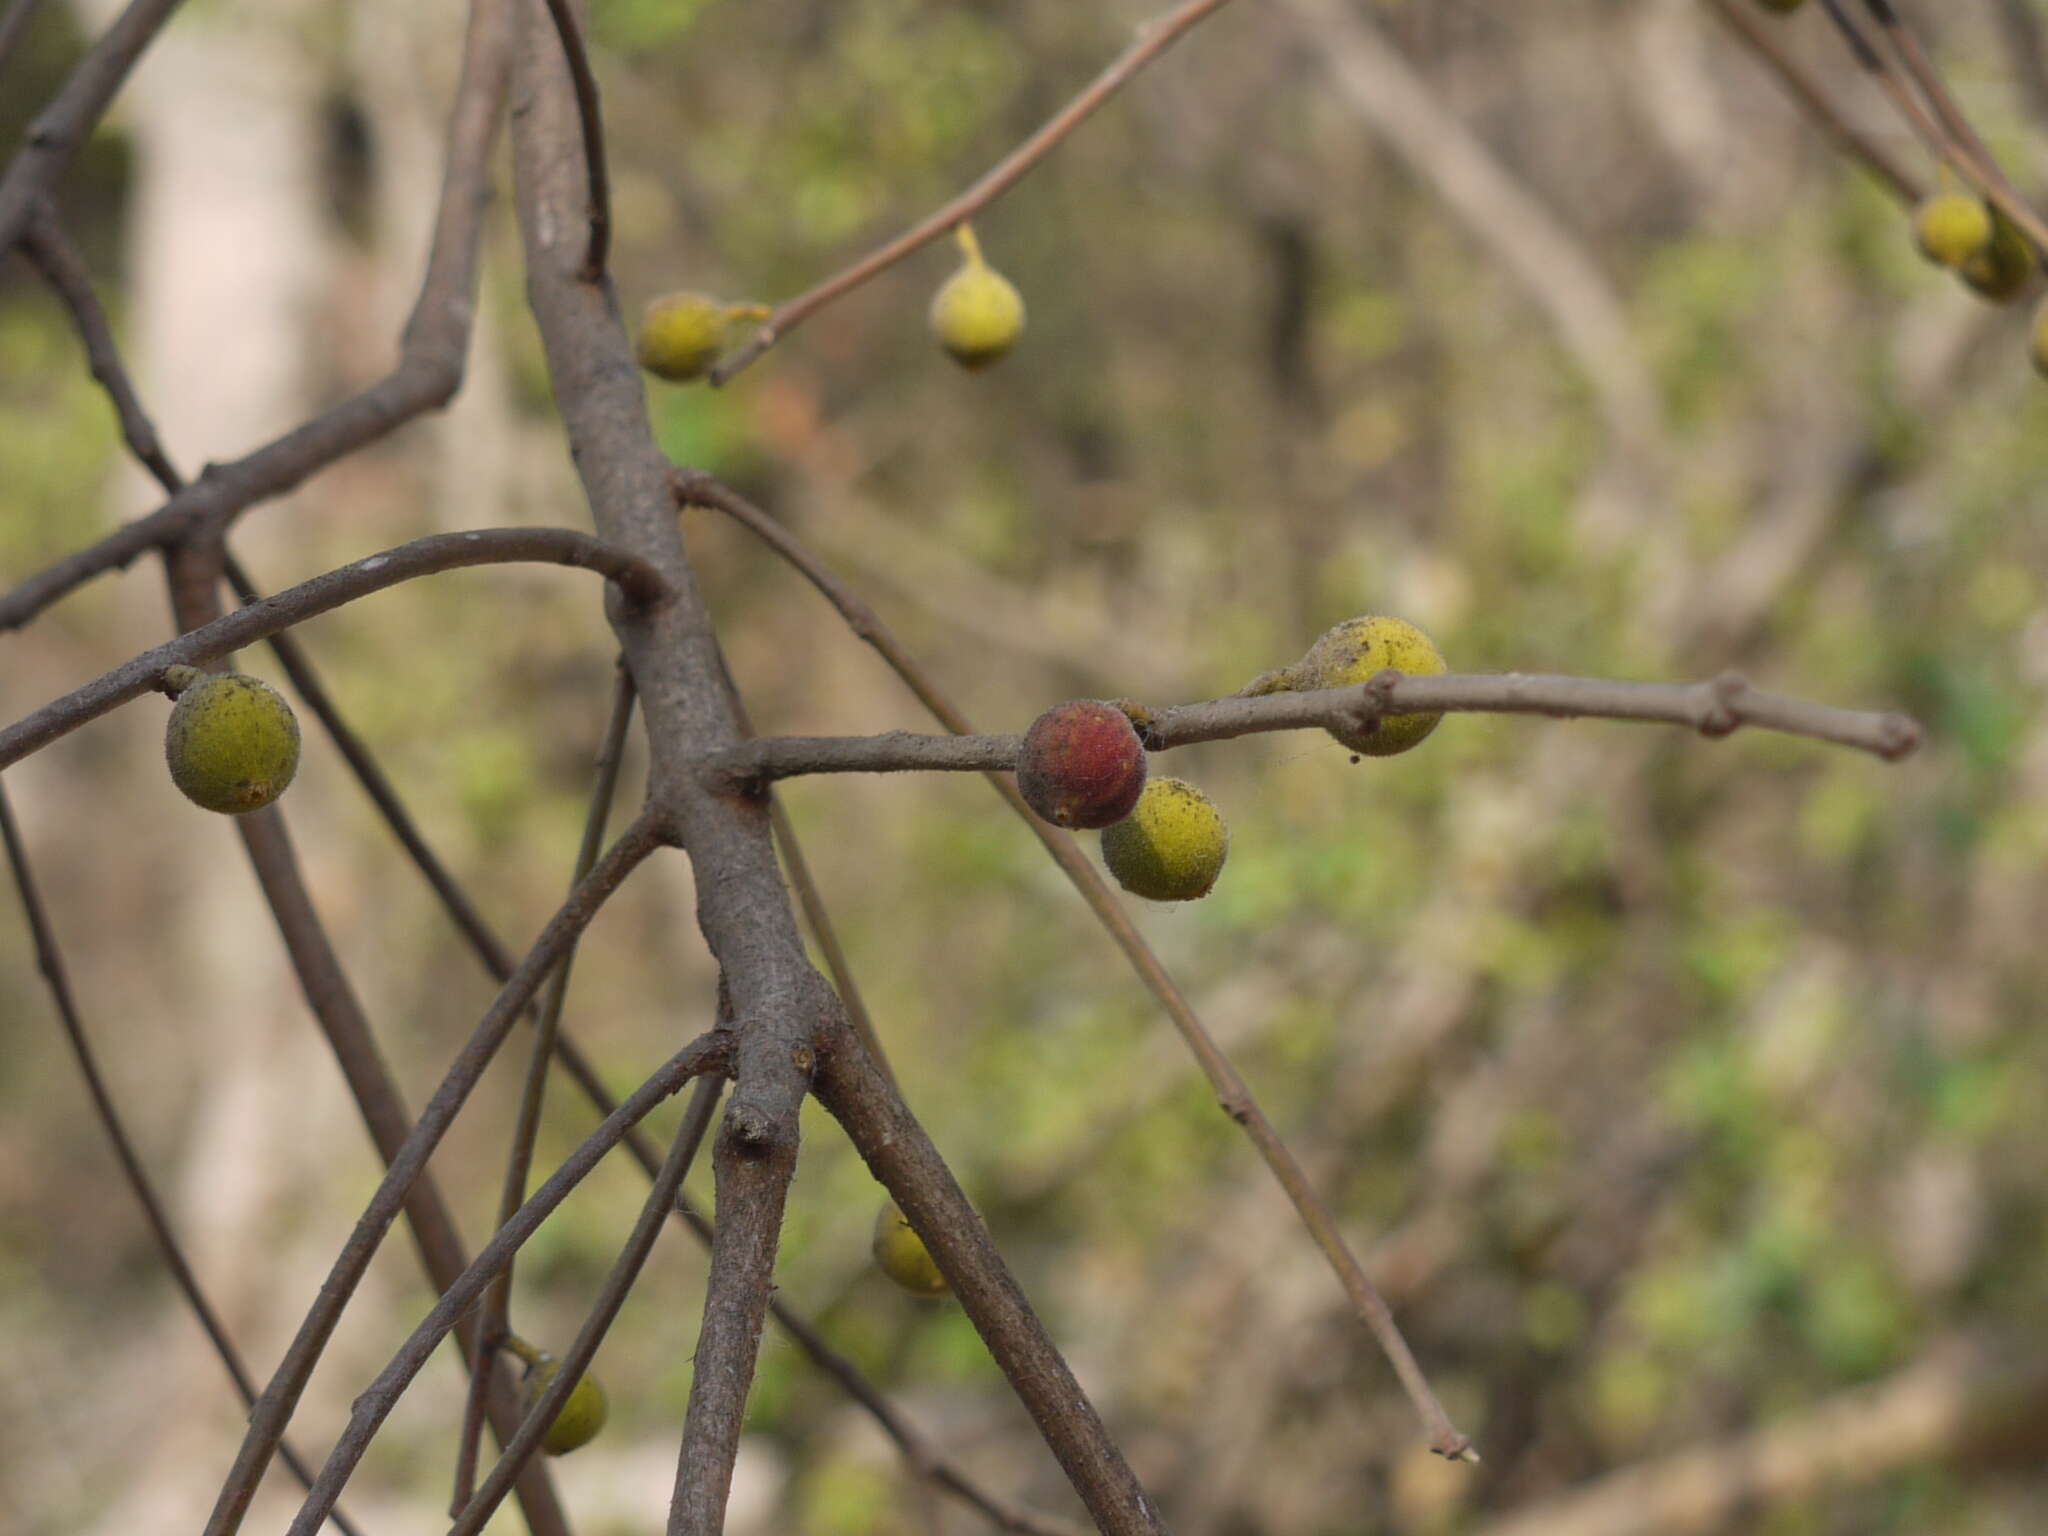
<point x="1082" y="765"/>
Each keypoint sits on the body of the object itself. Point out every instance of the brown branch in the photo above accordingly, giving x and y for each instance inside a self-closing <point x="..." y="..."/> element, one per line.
<point x="2028" y="50"/>
<point x="56" y="976"/>
<point x="540" y="1418"/>
<point x="274" y="1407"/>
<point x="591" y="121"/>
<point x="431" y="353"/>
<point x="50" y="251"/>
<point x="708" y="1053"/>
<point x="495" y="1321"/>
<point x="1763" y="40"/>
<point x="59" y="130"/>
<point x="1713" y="708"/>
<point x="323" y="594"/>
<point x="893" y="1144"/>
<point x="1232" y="1091"/>
<point x="1153" y="39"/>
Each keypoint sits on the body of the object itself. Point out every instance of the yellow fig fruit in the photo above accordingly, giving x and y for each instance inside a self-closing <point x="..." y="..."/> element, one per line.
<point x="1171" y="847"/>
<point x="2000" y="271"/>
<point x="1356" y="651"/>
<point x="581" y="1416"/>
<point x="1951" y="227"/>
<point x="232" y="742"/>
<point x="902" y="1255"/>
<point x="681" y="334"/>
<point x="977" y="314"/>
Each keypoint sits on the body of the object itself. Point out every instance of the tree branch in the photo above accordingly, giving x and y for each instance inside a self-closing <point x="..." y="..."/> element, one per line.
<point x="280" y="1397"/>
<point x="1153" y="39"/>
<point x="323" y="594"/>
<point x="50" y="962"/>
<point x="591" y="121"/>
<point x="1713" y="708"/>
<point x="708" y="1053"/>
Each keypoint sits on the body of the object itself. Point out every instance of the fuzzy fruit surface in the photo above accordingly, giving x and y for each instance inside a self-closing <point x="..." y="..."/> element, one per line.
<point x="1172" y="847"/>
<point x="582" y="1416"/>
<point x="1951" y="227"/>
<point x="681" y="335"/>
<point x="902" y="1255"/>
<point x="232" y="743"/>
<point x="1082" y="765"/>
<point x="2000" y="271"/>
<point x="1356" y="651"/>
<point x="977" y="314"/>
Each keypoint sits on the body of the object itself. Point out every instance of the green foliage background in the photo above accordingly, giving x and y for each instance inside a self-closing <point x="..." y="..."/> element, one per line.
<point x="1675" y="1087"/>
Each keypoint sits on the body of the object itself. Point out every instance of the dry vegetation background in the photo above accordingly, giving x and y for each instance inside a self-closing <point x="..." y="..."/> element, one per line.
<point x="1680" y="1091"/>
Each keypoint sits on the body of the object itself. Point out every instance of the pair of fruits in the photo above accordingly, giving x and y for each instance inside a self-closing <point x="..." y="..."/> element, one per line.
<point x="1975" y="241"/>
<point x="977" y="316"/>
<point x="1082" y="764"/>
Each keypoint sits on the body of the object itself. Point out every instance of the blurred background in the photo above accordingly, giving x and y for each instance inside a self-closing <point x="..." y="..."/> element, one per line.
<point x="1687" y="1097"/>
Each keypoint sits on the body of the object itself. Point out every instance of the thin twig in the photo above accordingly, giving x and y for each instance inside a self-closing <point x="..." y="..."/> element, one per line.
<point x="50" y="252"/>
<point x="1232" y="1091"/>
<point x="1153" y="39"/>
<point x="62" y="127"/>
<point x="707" y="1053"/>
<point x="592" y="122"/>
<point x="661" y="1199"/>
<point x="1763" y="40"/>
<point x="2026" y="48"/>
<point x="50" y="962"/>
<point x="274" y="1407"/>
<point x="323" y="594"/>
<point x="496" y="1320"/>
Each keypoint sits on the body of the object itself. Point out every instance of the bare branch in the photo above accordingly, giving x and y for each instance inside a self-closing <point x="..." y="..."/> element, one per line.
<point x="1713" y="708"/>
<point x="51" y="253"/>
<point x="274" y="1407"/>
<point x="63" y="126"/>
<point x="495" y="1322"/>
<point x="429" y="371"/>
<point x="50" y="962"/>
<point x="889" y="1138"/>
<point x="705" y="1054"/>
<point x="323" y="594"/>
<point x="14" y="27"/>
<point x="1153" y="39"/>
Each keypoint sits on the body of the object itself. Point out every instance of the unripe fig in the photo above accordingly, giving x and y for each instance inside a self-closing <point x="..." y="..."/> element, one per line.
<point x="232" y="742"/>
<point x="1082" y="764"/>
<point x="681" y="334"/>
<point x="902" y="1255"/>
<point x="1356" y="651"/>
<point x="581" y="1416"/>
<point x="2000" y="271"/>
<point x="1951" y="227"/>
<point x="1172" y="847"/>
<point x="977" y="314"/>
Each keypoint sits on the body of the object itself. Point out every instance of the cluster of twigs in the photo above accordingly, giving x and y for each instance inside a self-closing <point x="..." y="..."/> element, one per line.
<point x="783" y="1033"/>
